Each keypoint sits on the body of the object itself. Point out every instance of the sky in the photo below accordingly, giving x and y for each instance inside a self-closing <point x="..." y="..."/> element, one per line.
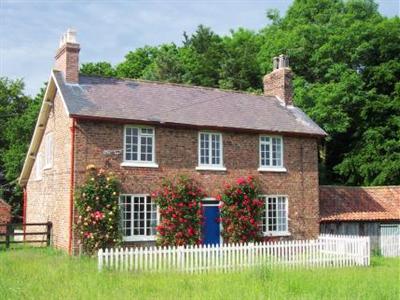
<point x="107" y="30"/>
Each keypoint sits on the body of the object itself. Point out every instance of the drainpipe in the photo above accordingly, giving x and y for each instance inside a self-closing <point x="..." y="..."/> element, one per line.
<point x="71" y="193"/>
<point x="25" y="197"/>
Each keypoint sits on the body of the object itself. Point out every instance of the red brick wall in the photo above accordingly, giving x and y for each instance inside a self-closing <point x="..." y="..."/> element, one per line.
<point x="5" y="214"/>
<point x="176" y="153"/>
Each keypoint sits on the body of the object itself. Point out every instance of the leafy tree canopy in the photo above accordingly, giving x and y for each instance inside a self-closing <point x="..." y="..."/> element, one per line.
<point x="18" y="114"/>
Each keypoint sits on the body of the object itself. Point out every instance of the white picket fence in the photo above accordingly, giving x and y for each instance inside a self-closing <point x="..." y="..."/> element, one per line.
<point x="326" y="251"/>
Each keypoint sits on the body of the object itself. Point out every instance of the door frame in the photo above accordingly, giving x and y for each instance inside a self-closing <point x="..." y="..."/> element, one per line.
<point x="210" y="201"/>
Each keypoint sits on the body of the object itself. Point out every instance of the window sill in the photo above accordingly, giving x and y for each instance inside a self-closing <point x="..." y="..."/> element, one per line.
<point x="47" y="167"/>
<point x="283" y="233"/>
<point x="270" y="169"/>
<point x="139" y="238"/>
<point x="139" y="164"/>
<point x="210" y="168"/>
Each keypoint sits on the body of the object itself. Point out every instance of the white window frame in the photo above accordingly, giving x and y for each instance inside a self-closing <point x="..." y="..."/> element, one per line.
<point x="276" y="232"/>
<point x="139" y="238"/>
<point x="271" y="168"/>
<point x="48" y="151"/>
<point x="210" y="166"/>
<point x="138" y="162"/>
<point x="39" y="166"/>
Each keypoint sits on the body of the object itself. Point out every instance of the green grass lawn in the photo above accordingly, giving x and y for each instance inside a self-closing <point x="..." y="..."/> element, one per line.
<point x="34" y="273"/>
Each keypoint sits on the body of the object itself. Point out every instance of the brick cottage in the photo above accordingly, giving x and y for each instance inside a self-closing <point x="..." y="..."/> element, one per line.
<point x="145" y="131"/>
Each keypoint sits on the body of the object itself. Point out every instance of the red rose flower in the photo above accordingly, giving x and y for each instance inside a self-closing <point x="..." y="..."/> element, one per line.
<point x="240" y="181"/>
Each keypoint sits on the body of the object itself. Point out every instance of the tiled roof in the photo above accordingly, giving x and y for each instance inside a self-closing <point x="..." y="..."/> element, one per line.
<point x="338" y="203"/>
<point x="166" y="103"/>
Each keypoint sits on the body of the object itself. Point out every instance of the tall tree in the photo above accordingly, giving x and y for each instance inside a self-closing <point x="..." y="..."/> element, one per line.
<point x="239" y="68"/>
<point x="202" y="53"/>
<point x="18" y="114"/>
<point x="136" y="62"/>
<point x="102" y="68"/>
<point x="166" y="66"/>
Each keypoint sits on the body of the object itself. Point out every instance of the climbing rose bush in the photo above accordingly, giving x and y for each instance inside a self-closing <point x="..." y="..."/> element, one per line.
<point x="98" y="211"/>
<point x="241" y="211"/>
<point x="179" y="203"/>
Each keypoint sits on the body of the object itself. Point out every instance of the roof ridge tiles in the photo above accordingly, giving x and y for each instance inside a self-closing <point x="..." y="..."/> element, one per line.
<point x="187" y="85"/>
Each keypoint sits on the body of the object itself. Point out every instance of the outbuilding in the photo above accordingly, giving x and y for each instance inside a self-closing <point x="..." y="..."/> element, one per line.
<point x="365" y="211"/>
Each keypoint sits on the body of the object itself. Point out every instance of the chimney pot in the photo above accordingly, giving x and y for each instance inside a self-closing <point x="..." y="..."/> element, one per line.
<point x="283" y="61"/>
<point x="71" y="36"/>
<point x="275" y="63"/>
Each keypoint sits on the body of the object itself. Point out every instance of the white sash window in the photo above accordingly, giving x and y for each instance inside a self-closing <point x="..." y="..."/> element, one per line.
<point x="275" y="215"/>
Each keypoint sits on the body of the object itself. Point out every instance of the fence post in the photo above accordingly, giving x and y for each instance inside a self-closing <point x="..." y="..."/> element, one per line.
<point x="49" y="225"/>
<point x="8" y="234"/>
<point x="100" y="259"/>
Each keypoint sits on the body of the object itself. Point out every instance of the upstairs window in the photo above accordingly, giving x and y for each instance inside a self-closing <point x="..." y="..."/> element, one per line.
<point x="139" y="145"/>
<point x="48" y="150"/>
<point x="275" y="215"/>
<point x="138" y="217"/>
<point x="210" y="150"/>
<point x="271" y="152"/>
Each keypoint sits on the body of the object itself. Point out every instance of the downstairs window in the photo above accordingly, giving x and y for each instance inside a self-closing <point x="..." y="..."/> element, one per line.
<point x="138" y="217"/>
<point x="275" y="215"/>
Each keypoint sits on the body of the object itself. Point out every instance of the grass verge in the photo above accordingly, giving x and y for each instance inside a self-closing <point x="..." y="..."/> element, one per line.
<point x="44" y="273"/>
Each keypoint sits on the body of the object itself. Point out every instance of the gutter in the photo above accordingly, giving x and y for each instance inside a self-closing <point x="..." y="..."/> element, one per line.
<point x="72" y="184"/>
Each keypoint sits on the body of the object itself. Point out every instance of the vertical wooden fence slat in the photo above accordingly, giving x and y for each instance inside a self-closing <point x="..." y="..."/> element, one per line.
<point x="8" y="235"/>
<point x="49" y="226"/>
<point x="100" y="259"/>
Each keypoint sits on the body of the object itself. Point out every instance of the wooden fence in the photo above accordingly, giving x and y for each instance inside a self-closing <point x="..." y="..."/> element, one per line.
<point x="326" y="251"/>
<point x="13" y="236"/>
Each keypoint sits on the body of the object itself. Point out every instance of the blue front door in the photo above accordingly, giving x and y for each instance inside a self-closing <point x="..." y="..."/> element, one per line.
<point x="210" y="228"/>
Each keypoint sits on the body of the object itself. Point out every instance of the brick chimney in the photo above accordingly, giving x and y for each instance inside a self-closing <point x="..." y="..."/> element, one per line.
<point x="67" y="57"/>
<point x="279" y="82"/>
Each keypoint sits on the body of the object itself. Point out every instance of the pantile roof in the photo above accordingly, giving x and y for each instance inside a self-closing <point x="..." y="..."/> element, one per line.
<point x="339" y="203"/>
